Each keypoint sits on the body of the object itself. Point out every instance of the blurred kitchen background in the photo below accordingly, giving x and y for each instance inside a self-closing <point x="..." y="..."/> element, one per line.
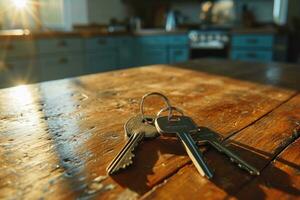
<point x="43" y="40"/>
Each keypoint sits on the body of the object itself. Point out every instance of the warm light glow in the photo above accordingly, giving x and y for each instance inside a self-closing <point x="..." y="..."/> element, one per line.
<point x="19" y="4"/>
<point x="21" y="95"/>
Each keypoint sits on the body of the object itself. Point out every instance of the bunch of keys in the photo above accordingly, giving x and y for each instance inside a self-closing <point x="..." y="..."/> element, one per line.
<point x="141" y="127"/>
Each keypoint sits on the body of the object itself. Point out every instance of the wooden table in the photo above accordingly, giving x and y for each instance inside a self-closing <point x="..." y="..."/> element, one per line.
<point x="56" y="138"/>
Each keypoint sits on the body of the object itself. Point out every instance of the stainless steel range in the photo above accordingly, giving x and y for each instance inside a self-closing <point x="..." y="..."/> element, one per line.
<point x="209" y="43"/>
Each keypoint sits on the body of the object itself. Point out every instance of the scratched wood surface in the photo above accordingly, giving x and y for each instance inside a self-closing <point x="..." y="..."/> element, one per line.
<point x="57" y="138"/>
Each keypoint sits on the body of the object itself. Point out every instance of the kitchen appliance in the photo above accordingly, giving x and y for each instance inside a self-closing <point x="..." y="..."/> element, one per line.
<point x="135" y="24"/>
<point x="209" y="43"/>
<point x="171" y="21"/>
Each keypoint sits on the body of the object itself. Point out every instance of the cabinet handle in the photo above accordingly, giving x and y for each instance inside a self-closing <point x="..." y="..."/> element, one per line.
<point x="63" y="60"/>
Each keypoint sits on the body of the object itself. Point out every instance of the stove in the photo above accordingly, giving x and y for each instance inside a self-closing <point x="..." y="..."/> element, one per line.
<point x="209" y="43"/>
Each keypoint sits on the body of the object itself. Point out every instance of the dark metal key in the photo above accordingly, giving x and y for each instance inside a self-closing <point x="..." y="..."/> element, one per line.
<point x="135" y="130"/>
<point x="206" y="136"/>
<point x="182" y="126"/>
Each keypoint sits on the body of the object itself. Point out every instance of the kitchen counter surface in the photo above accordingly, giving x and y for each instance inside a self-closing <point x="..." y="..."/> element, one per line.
<point x="57" y="137"/>
<point x="258" y="30"/>
<point x="26" y="34"/>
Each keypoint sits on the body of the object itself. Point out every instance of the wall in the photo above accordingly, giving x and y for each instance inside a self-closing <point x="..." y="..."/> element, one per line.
<point x="262" y="9"/>
<point x="101" y="11"/>
<point x="294" y="10"/>
<point x="190" y="10"/>
<point x="79" y="11"/>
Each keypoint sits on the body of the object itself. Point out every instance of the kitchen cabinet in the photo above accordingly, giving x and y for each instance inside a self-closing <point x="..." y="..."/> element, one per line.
<point x="178" y="54"/>
<point x="61" y="66"/>
<point x="105" y="60"/>
<point x="17" y="48"/>
<point x="252" y="55"/>
<point x="152" y="50"/>
<point x="258" y="47"/>
<point x="60" y="45"/>
<point x="56" y="57"/>
<point x="60" y="57"/>
<point x="18" y="71"/>
<point x="162" y="49"/>
<point x="152" y="55"/>
<point x="18" y="62"/>
<point x="126" y="52"/>
<point x="101" y="54"/>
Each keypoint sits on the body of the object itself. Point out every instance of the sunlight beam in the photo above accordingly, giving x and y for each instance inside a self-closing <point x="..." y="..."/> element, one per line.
<point x="20" y="4"/>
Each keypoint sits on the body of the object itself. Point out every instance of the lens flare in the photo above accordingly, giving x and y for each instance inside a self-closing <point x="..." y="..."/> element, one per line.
<point x="19" y="4"/>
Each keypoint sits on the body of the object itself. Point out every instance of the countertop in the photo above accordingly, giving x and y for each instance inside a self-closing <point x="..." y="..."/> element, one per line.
<point x="57" y="137"/>
<point x="26" y="34"/>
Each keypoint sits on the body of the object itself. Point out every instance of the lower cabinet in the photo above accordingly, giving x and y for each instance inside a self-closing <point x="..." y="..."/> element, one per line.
<point x="18" y="71"/>
<point x="126" y="52"/>
<point x="249" y="55"/>
<point x="104" y="60"/>
<point x="162" y="49"/>
<point x="258" y="47"/>
<point x="63" y="58"/>
<point x="150" y="56"/>
<point x="178" y="54"/>
<point x="61" y="66"/>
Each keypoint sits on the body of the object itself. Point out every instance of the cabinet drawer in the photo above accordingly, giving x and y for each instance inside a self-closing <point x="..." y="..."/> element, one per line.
<point x="153" y="40"/>
<point x="17" y="48"/>
<point x="56" y="45"/>
<point x="61" y="66"/>
<point x="21" y="71"/>
<point x="98" y="43"/>
<point x="153" y="56"/>
<point x="124" y="40"/>
<point x="252" y="55"/>
<point x="253" y="41"/>
<point x="178" y="40"/>
<point x="101" y="61"/>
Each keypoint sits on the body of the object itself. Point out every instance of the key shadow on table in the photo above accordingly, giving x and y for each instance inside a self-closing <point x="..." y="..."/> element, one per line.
<point x="159" y="159"/>
<point x="151" y="164"/>
<point x="232" y="179"/>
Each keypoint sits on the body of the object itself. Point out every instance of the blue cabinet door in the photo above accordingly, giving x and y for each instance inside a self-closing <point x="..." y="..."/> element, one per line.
<point x="126" y="52"/>
<point x="100" y="42"/>
<point x="253" y="40"/>
<point x="178" y="54"/>
<point x="150" y="56"/>
<point x="101" y="61"/>
<point x="250" y="55"/>
<point x="18" y="71"/>
<point x="58" y="66"/>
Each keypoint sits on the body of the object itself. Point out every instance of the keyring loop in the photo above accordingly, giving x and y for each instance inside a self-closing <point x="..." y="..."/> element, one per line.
<point x="154" y="94"/>
<point x="171" y="109"/>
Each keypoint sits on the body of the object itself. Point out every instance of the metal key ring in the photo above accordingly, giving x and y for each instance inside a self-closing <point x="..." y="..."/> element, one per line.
<point x="154" y="94"/>
<point x="171" y="109"/>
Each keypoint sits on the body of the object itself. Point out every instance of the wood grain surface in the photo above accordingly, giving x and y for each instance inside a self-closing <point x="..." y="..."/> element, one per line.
<point x="56" y="138"/>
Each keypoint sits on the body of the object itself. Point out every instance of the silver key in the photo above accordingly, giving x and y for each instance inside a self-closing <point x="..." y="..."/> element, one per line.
<point x="137" y="123"/>
<point x="182" y="126"/>
<point x="204" y="136"/>
<point x="136" y="130"/>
